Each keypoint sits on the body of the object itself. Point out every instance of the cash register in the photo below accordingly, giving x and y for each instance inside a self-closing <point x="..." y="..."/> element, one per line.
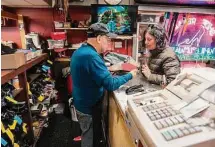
<point x="180" y="115"/>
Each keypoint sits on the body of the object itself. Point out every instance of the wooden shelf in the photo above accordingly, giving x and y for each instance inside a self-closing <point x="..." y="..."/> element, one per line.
<point x="124" y="37"/>
<point x="63" y="59"/>
<point x="7" y="75"/>
<point x="72" y="29"/>
<point x="9" y="15"/>
<point x="69" y="48"/>
<point x="16" y="92"/>
<point x="33" y="77"/>
<point x="72" y="48"/>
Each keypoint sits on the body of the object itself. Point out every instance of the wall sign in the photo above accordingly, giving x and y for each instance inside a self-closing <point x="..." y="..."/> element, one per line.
<point x="180" y="2"/>
<point x="194" y="37"/>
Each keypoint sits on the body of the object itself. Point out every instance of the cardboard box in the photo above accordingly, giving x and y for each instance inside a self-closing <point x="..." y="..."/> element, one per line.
<point x="38" y="53"/>
<point x="28" y="56"/>
<point x="12" y="61"/>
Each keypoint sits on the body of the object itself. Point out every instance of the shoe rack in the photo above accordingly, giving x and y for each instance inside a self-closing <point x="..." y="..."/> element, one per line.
<point x="22" y="93"/>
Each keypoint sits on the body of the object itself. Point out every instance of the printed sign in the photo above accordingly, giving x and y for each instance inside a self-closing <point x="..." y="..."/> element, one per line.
<point x="194" y="37"/>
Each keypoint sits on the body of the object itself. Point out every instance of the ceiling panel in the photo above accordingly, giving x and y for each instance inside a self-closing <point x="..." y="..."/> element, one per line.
<point x="37" y="2"/>
<point x="24" y="3"/>
<point x="4" y="2"/>
<point x="16" y="2"/>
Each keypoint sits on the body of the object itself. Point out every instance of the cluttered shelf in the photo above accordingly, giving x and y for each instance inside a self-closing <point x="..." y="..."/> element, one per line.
<point x="6" y="75"/>
<point x="63" y="59"/>
<point x="71" y="29"/>
<point x="16" y="92"/>
<point x="9" y="15"/>
<point x="33" y="77"/>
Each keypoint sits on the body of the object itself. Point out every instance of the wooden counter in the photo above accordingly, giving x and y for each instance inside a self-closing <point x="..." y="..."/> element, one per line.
<point x="119" y="134"/>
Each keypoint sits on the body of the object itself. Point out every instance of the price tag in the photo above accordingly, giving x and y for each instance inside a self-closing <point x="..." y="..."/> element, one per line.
<point x="18" y="119"/>
<point x="3" y="142"/>
<point x="28" y="87"/>
<point x="2" y="128"/>
<point x="15" y="145"/>
<point x="47" y="79"/>
<point x="24" y="128"/>
<point x="50" y="62"/>
<point x="13" y="126"/>
<point x="11" y="99"/>
<point x="41" y="98"/>
<point x="10" y="135"/>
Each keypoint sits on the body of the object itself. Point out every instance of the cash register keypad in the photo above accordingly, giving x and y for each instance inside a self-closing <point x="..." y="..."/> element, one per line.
<point x="155" y="106"/>
<point x="164" y="116"/>
<point x="180" y="132"/>
<point x="163" y="113"/>
<point x="168" y="122"/>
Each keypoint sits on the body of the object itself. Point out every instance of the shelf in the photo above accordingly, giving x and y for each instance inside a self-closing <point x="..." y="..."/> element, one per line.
<point x="16" y="92"/>
<point x="7" y="75"/>
<point x="72" y="29"/>
<point x="124" y="37"/>
<point x="63" y="59"/>
<point x="33" y="77"/>
<point x="69" y="48"/>
<point x="73" y="48"/>
<point x="9" y="15"/>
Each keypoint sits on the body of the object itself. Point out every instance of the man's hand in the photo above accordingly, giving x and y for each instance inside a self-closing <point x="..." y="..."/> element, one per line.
<point x="134" y="73"/>
<point x="115" y="67"/>
<point x="146" y="71"/>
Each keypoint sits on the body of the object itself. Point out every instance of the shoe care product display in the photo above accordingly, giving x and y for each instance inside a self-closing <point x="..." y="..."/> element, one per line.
<point x="13" y="128"/>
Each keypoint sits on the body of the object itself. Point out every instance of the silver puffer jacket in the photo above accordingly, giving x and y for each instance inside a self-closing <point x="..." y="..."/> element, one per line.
<point x="164" y="66"/>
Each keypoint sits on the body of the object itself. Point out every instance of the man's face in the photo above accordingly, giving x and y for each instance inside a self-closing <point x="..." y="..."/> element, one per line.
<point x="105" y="42"/>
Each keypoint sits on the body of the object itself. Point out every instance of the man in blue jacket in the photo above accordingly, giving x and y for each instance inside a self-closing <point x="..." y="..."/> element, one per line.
<point x="90" y="78"/>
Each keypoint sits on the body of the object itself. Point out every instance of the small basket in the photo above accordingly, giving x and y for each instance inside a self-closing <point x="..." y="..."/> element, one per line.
<point x="59" y="44"/>
<point x="58" y="35"/>
<point x="51" y="43"/>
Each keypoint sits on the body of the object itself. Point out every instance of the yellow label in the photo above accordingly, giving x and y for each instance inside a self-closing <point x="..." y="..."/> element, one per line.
<point x="24" y="128"/>
<point x="41" y="98"/>
<point x="50" y="62"/>
<point x="35" y="124"/>
<point x="10" y="135"/>
<point x="15" y="145"/>
<point x="13" y="126"/>
<point x="11" y="99"/>
<point x="47" y="79"/>
<point x="2" y="128"/>
<point x="28" y="87"/>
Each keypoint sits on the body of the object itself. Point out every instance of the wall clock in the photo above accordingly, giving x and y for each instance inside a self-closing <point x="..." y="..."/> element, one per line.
<point x="113" y="2"/>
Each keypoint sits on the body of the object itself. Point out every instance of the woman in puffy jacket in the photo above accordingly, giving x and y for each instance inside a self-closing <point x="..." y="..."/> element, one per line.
<point x="163" y="65"/>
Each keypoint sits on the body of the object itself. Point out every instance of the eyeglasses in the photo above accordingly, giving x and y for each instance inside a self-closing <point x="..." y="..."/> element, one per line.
<point x="108" y="38"/>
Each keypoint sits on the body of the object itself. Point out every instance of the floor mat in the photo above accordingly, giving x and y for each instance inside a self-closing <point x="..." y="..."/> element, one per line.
<point x="59" y="133"/>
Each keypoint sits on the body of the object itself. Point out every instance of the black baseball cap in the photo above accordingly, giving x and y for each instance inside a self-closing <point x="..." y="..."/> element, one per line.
<point x="99" y="29"/>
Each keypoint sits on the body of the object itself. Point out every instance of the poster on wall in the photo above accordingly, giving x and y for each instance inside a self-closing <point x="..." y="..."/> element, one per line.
<point x="194" y="37"/>
<point x="202" y="3"/>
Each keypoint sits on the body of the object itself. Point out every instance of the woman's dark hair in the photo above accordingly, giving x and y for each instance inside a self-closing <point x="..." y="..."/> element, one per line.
<point x="160" y="36"/>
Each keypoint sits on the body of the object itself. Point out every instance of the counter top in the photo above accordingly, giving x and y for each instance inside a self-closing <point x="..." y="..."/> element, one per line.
<point x="121" y="97"/>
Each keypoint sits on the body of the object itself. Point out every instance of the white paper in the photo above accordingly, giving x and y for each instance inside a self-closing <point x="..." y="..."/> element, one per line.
<point x="195" y="107"/>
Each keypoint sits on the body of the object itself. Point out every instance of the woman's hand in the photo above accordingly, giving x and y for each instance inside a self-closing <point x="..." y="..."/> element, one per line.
<point x="146" y="71"/>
